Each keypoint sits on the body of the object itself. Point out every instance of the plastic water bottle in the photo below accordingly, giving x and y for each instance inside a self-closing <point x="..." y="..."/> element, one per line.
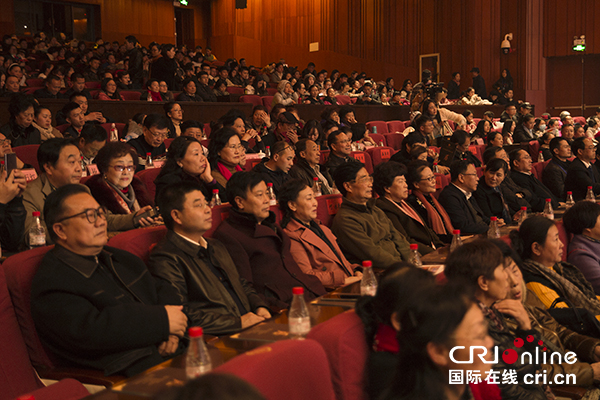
<point x="570" y="202"/>
<point x="493" y="231"/>
<point x="436" y="168"/>
<point x="540" y="157"/>
<point x="381" y="144"/>
<point x="317" y="187"/>
<point x="374" y="129"/>
<point x="548" y="211"/>
<point x="83" y="169"/>
<point x="590" y="196"/>
<point x="37" y="232"/>
<point x="268" y="152"/>
<point x="149" y="97"/>
<point x="114" y="133"/>
<point x="197" y="360"/>
<point x="298" y="316"/>
<point x="523" y="216"/>
<point x="368" y="283"/>
<point x="216" y="199"/>
<point x="271" y="193"/>
<point x="149" y="162"/>
<point x="456" y="240"/>
<point x="415" y="257"/>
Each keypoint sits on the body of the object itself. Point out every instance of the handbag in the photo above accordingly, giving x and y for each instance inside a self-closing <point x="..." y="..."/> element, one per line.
<point x="578" y="320"/>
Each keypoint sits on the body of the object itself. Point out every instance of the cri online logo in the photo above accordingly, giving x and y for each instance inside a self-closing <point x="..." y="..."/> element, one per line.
<point x="510" y="356"/>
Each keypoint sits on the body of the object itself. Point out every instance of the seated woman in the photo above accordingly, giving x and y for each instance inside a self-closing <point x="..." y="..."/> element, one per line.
<point x="186" y="162"/>
<point x="418" y="153"/>
<point x="220" y="88"/>
<point x="224" y="153"/>
<point x="116" y="187"/>
<point x="537" y="242"/>
<point x="152" y="92"/>
<point x="440" y="117"/>
<point x="545" y="145"/>
<point x="360" y="134"/>
<point x="313" y="245"/>
<point x="19" y="129"/>
<point x="236" y="119"/>
<point x="260" y="120"/>
<point x="421" y="181"/>
<point x="43" y="122"/>
<point x="470" y="126"/>
<point x="583" y="221"/>
<point x="508" y="130"/>
<point x="285" y="94"/>
<point x="259" y="87"/>
<point x="189" y="91"/>
<point x="330" y="97"/>
<point x="313" y="95"/>
<point x="313" y="130"/>
<point x="495" y="139"/>
<point x="482" y="131"/>
<point x="174" y="113"/>
<point x="109" y="91"/>
<point x="479" y="265"/>
<point x="331" y="113"/>
<point x="165" y="93"/>
<point x="389" y="182"/>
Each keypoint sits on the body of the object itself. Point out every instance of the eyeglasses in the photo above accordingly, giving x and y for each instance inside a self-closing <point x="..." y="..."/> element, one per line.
<point x="157" y="134"/>
<point x="430" y="179"/>
<point x="234" y="146"/>
<point x="365" y="178"/>
<point x="121" y="168"/>
<point x="4" y="142"/>
<point x="92" y="215"/>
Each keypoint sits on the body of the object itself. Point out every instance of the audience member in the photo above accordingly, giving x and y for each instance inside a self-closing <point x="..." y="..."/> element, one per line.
<point x="152" y="92"/>
<point x="521" y="167"/>
<point x="581" y="174"/>
<point x="568" y="132"/>
<point x="509" y="113"/>
<point x="340" y="150"/>
<point x="307" y="166"/>
<point x="75" y="118"/>
<point x="89" y="142"/>
<point x="19" y="129"/>
<point x="174" y="114"/>
<point x="203" y="90"/>
<point x="555" y="172"/>
<point x="225" y="154"/>
<point x="524" y="130"/>
<point x="275" y="170"/>
<point x="12" y="211"/>
<point x="190" y="91"/>
<point x="136" y="63"/>
<point x="285" y="94"/>
<point x="43" y="123"/>
<point x="78" y="86"/>
<point x="462" y="152"/>
<point x="11" y="86"/>
<point x="109" y="90"/>
<point x="51" y="90"/>
<point x="156" y="130"/>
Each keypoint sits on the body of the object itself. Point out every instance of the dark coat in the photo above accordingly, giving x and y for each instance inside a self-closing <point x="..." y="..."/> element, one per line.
<point x="334" y="161"/>
<point x="479" y="86"/>
<point x="12" y="223"/>
<point x="579" y="178"/>
<point x="538" y="190"/>
<point x="453" y="90"/>
<point x="107" y="317"/>
<point x="206" y="301"/>
<point x="164" y="69"/>
<point x="206" y="93"/>
<point x="413" y="230"/>
<point x="302" y="170"/>
<point x="45" y="94"/>
<point x="521" y="135"/>
<point x="136" y="67"/>
<point x="455" y="204"/>
<point x="554" y="176"/>
<point x="162" y="181"/>
<point x="468" y="156"/>
<point x="277" y="178"/>
<point x="261" y="253"/>
<point x="19" y="136"/>
<point x="183" y="96"/>
<point x="142" y="147"/>
<point x="490" y="201"/>
<point x="105" y="195"/>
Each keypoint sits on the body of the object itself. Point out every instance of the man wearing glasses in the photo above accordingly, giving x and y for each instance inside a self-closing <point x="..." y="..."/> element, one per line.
<point x="363" y="231"/>
<point x="521" y="174"/>
<point x="156" y="130"/>
<point x="457" y="199"/>
<point x="581" y="173"/>
<point x="340" y="149"/>
<point x="96" y="306"/>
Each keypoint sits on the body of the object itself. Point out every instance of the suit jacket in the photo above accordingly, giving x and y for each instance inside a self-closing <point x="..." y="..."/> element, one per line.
<point x="538" y="190"/>
<point x="412" y="229"/>
<point x="490" y="201"/>
<point x="521" y="135"/>
<point x="261" y="253"/>
<point x="467" y="155"/>
<point x="302" y="170"/>
<point x="206" y="300"/>
<point x="554" y="176"/>
<point x="315" y="257"/>
<point x="454" y="202"/>
<point x="579" y="178"/>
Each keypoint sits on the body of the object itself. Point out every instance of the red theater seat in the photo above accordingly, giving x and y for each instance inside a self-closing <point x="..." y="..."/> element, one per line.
<point x="395" y="126"/>
<point x="364" y="158"/>
<point x="394" y="140"/>
<point x="380" y="125"/>
<point x="380" y="154"/>
<point x="28" y="154"/>
<point x="139" y="241"/>
<point x="252" y="99"/>
<point x="147" y="176"/>
<point x="327" y="206"/>
<point x="130" y="95"/>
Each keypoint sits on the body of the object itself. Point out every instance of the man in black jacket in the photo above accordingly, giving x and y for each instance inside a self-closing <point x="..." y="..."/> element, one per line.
<point x="203" y="90"/>
<point x="463" y="141"/>
<point x="156" y="130"/>
<point x="275" y="170"/>
<point x="521" y="167"/>
<point x="52" y="89"/>
<point x="96" y="306"/>
<point x="340" y="150"/>
<point x="307" y="166"/>
<point x="136" y="62"/>
<point x="581" y="173"/>
<point x="201" y="270"/>
<point x="454" y="87"/>
<point x="555" y="172"/>
<point x="478" y="83"/>
<point x="524" y="130"/>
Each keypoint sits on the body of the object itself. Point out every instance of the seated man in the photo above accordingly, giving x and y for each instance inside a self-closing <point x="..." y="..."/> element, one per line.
<point x="524" y="130"/>
<point x="339" y="151"/>
<point x="364" y="232"/>
<point x="463" y="141"/>
<point x="307" y="166"/>
<point x="314" y="246"/>
<point x="203" y="90"/>
<point x="258" y="246"/>
<point x="156" y="130"/>
<point x="275" y="170"/>
<point x="200" y="270"/>
<point x="555" y="172"/>
<point x="458" y="201"/>
<point x="11" y="86"/>
<point x="74" y="117"/>
<point x="286" y="129"/>
<point x="409" y="143"/>
<point x="78" y="86"/>
<point x="509" y="113"/>
<point x="567" y="131"/>
<point x="90" y="141"/>
<point x="521" y="167"/>
<point x="124" y="81"/>
<point x="581" y="174"/>
<point x="90" y="117"/>
<point x="96" y="306"/>
<point x="51" y="90"/>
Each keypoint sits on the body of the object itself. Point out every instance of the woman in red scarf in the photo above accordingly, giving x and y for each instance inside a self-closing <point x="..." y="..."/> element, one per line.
<point x="225" y="153"/>
<point x="152" y="91"/>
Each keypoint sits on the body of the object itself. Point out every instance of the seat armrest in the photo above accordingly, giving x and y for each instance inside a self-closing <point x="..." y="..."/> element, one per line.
<point x="571" y="392"/>
<point x="86" y="376"/>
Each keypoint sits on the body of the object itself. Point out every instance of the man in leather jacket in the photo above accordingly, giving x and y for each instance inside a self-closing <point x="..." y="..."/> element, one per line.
<point x="136" y="62"/>
<point x="200" y="269"/>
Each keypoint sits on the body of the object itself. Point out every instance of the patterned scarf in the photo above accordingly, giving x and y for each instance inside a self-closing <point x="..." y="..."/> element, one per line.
<point x="438" y="217"/>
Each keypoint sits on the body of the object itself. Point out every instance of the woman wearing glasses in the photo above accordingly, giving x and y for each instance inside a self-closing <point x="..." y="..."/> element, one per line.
<point x="115" y="187"/>
<point x="225" y="153"/>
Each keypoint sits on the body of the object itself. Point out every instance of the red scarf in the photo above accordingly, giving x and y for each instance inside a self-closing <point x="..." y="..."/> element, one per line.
<point x="155" y="96"/>
<point x="438" y="217"/>
<point x="225" y="171"/>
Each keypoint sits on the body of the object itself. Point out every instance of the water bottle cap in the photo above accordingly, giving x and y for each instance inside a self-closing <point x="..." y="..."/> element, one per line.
<point x="494" y="218"/>
<point x="414" y="246"/>
<point x="195" y="331"/>
<point x="523" y="208"/>
<point x="215" y="190"/>
<point x="456" y="232"/>
<point x="298" y="290"/>
<point x="589" y="187"/>
<point x="270" y="184"/>
<point x="315" y="179"/>
<point x="268" y="147"/>
<point x="540" y="151"/>
<point x="148" y="154"/>
<point x="569" y="193"/>
<point x="36" y="213"/>
<point x="548" y="200"/>
<point x="367" y="264"/>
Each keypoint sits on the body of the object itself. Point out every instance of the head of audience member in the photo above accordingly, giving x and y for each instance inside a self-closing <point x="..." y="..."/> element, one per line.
<point x="313" y="131"/>
<point x="124" y="77"/>
<point x="286" y="123"/>
<point x="354" y="182"/>
<point x="259" y="116"/>
<point x="12" y="84"/>
<point x="347" y="116"/>
<point x="464" y="175"/>
<point x="276" y="111"/>
<point x="297" y="200"/>
<point x="546" y="139"/>
<point x="528" y="121"/>
<point x="512" y="266"/>
<point x="520" y="161"/>
<point x="489" y="116"/>
<point x="412" y="140"/>
<point x="21" y="109"/>
<point x="567" y="131"/>
<point x="418" y="153"/>
<point x="339" y="144"/>
<point x="331" y="113"/>
<point x="495" y="139"/>
<point x="94" y="63"/>
<point x="225" y="147"/>
<point x="152" y="86"/>
<point x="185" y="154"/>
<point x="247" y="193"/>
<point x="282" y="157"/>
<point x="75" y="220"/>
<point x="156" y="129"/>
<point x="117" y="162"/>
<point x="329" y="126"/>
<point x="389" y="181"/>
<point x="510" y="109"/>
<point x="583" y="218"/>
<point x="79" y="98"/>
<point x="424" y="125"/>
<point x="109" y="86"/>
<point x="495" y="152"/>
<point x="308" y="151"/>
<point x="193" y="129"/>
<point x="235" y="119"/>
<point x="538" y="239"/>
<point x="462" y="140"/>
<point x="495" y="171"/>
<point x="174" y="111"/>
<point x="468" y="114"/>
<point x="74" y="115"/>
<point x="584" y="149"/>
<point x="60" y="160"/>
<point x="91" y="139"/>
<point x="420" y="177"/>
<point x="560" y="148"/>
<point x="43" y="117"/>
<point x="483" y="128"/>
<point x="53" y="84"/>
<point x="189" y="86"/>
<point x="77" y="82"/>
<point x="130" y="42"/>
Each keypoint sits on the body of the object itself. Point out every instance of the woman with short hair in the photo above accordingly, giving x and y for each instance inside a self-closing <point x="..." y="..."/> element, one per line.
<point x="109" y="91"/>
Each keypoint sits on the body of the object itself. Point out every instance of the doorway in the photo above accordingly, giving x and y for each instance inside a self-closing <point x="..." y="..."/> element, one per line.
<point x="184" y="27"/>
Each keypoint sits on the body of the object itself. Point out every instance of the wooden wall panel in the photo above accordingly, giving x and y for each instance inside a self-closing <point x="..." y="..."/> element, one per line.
<point x="565" y="19"/>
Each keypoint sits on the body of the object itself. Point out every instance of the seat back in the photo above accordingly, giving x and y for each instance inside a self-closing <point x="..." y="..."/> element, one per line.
<point x="130" y="95"/>
<point x="380" y="125"/>
<point x="538" y="169"/>
<point x="272" y="91"/>
<point x="92" y="85"/>
<point x="395" y="126"/>
<point x="139" y="241"/>
<point x="62" y="128"/>
<point x="342" y="99"/>
<point x="235" y="90"/>
<point x="35" y="82"/>
<point x="285" y="370"/>
<point x="327" y="206"/>
<point x="380" y="154"/>
<point x="28" y="154"/>
<point x="378" y="138"/>
<point x="252" y="99"/>
<point x="534" y="150"/>
<point x="394" y="140"/>
<point x="147" y="176"/>
<point x="120" y="128"/>
<point x="219" y="214"/>
<point x="364" y="158"/>
<point x="267" y="101"/>
<point x="343" y="339"/>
